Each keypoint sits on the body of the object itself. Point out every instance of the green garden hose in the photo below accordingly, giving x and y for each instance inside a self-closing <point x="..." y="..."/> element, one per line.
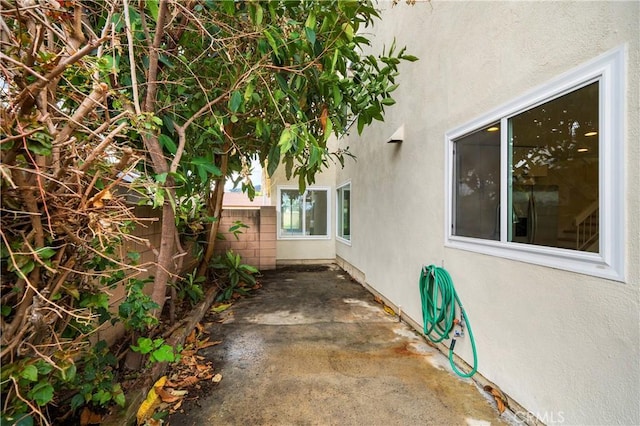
<point x="439" y="299"/>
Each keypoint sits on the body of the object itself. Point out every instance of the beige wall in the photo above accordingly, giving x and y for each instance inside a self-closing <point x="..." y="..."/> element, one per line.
<point x="307" y="250"/>
<point x="564" y="345"/>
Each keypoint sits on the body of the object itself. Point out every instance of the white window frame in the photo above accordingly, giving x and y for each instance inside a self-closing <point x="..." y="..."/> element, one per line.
<point x="609" y="69"/>
<point x="338" y="213"/>
<point x="282" y="236"/>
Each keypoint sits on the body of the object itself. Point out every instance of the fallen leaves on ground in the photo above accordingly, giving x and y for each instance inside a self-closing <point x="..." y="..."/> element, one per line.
<point x="168" y="393"/>
<point x="386" y="308"/>
<point x="151" y="402"/>
<point x="220" y="307"/>
<point x="501" y="399"/>
<point x="88" y="417"/>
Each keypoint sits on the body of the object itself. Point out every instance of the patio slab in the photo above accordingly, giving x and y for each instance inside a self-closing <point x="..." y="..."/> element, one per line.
<point x="313" y="348"/>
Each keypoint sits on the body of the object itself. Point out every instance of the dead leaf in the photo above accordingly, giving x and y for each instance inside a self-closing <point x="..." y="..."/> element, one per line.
<point x="217" y="378"/>
<point x="189" y="381"/>
<point x="176" y="407"/>
<point x="501" y="399"/>
<point x="323" y="118"/>
<point x="96" y="200"/>
<point x="166" y="396"/>
<point x="207" y="376"/>
<point x="176" y="392"/>
<point x="377" y="299"/>
<point x="88" y="417"/>
<point x="221" y="308"/>
<point x="207" y="344"/>
<point x="148" y="406"/>
<point x="191" y="338"/>
<point x="388" y="310"/>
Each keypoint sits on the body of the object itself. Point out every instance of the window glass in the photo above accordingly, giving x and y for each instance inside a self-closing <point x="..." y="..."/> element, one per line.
<point x="477" y="184"/>
<point x="558" y="199"/>
<point x="290" y="212"/>
<point x="316" y="212"/>
<point x="304" y="214"/>
<point x="344" y="212"/>
<point x="553" y="162"/>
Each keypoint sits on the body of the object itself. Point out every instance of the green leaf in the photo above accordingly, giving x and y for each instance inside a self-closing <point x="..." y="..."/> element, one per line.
<point x="166" y="61"/>
<point x="236" y="101"/>
<point x="285" y="140"/>
<point x="272" y="41"/>
<point x="44" y="368"/>
<point x="23" y="420"/>
<point x="133" y="256"/>
<point x="26" y="269"/>
<point x="152" y="7"/>
<point x="161" y="177"/>
<point x="5" y="310"/>
<point x="259" y="15"/>
<point x="273" y="160"/>
<point x="163" y="354"/>
<point x="248" y="92"/>
<point x="77" y="401"/>
<point x="388" y="101"/>
<point x="30" y="372"/>
<point x="250" y="269"/>
<point x="348" y="30"/>
<point x="118" y="395"/>
<point x="311" y="21"/>
<point x="102" y="397"/>
<point x="42" y="393"/>
<point x="167" y="143"/>
<point x="69" y="373"/>
<point x="229" y="6"/>
<point x="362" y="121"/>
<point x="409" y="58"/>
<point x="337" y="95"/>
<point x="328" y="130"/>
<point x="205" y="164"/>
<point x="45" y="253"/>
<point x="145" y="345"/>
<point x="311" y="35"/>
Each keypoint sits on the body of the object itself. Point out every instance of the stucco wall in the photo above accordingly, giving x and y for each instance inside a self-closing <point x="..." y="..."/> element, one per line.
<point x="306" y="250"/>
<point x="566" y="346"/>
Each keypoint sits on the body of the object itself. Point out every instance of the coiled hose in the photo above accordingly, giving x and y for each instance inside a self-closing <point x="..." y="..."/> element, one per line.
<point x="439" y="299"/>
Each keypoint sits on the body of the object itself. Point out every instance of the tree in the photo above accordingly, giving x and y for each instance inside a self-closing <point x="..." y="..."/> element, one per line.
<point x="181" y="93"/>
<point x="273" y="79"/>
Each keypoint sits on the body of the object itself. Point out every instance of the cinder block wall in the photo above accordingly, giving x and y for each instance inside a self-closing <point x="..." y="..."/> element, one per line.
<point x="149" y="233"/>
<point x="256" y="244"/>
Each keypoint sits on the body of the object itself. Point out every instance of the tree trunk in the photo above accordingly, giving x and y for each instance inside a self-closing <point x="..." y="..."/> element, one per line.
<point x="214" y="206"/>
<point x="165" y="253"/>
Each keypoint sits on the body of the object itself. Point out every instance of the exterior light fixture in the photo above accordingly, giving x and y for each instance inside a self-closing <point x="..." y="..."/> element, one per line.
<point x="398" y="136"/>
<point x="583" y="149"/>
<point x="593" y="133"/>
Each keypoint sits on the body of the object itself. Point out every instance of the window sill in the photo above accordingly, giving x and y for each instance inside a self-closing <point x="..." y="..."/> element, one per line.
<point x="303" y="237"/>
<point x="343" y="241"/>
<point x="568" y="260"/>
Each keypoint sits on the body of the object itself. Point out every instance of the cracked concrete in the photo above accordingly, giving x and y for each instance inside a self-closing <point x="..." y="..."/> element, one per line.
<point x="313" y="348"/>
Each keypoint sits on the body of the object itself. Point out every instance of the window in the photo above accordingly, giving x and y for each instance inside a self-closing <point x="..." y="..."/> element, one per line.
<point x="540" y="179"/>
<point x="303" y="215"/>
<point x="343" y="213"/>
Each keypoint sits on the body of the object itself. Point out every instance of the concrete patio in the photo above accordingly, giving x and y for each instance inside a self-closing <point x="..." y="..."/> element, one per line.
<point x="313" y="348"/>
